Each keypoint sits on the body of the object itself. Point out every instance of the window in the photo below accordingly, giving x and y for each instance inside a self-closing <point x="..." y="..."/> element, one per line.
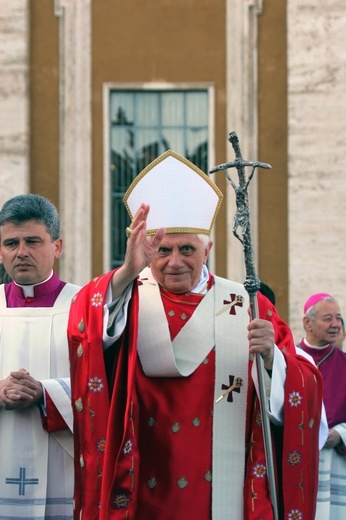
<point x="143" y="125"/>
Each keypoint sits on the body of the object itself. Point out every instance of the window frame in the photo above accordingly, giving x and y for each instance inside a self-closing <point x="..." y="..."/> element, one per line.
<point x="107" y="88"/>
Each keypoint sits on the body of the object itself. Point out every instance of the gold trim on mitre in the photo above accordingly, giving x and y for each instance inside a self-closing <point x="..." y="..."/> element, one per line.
<point x="182" y="203"/>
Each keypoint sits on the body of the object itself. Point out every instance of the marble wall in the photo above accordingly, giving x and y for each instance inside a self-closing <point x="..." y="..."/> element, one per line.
<point x="317" y="152"/>
<point x="14" y="130"/>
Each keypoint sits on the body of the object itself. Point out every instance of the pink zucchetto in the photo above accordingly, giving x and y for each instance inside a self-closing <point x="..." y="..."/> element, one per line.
<point x="315" y="298"/>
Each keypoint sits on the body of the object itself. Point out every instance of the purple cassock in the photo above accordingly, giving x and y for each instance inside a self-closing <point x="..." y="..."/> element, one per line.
<point x="44" y="294"/>
<point x="331" y="362"/>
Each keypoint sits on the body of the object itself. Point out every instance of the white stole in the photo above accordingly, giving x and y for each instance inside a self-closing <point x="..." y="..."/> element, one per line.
<point x="34" y="339"/>
<point x="212" y="324"/>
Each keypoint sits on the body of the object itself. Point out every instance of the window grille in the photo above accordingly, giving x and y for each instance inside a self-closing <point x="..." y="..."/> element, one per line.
<point x="143" y="125"/>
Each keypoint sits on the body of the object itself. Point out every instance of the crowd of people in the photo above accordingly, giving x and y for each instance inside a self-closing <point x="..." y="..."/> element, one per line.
<point x="158" y="360"/>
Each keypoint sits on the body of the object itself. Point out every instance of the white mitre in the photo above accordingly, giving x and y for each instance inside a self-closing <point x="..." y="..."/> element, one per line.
<point x="182" y="198"/>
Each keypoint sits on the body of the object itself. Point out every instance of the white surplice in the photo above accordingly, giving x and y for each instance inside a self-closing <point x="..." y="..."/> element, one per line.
<point x="36" y="468"/>
<point x="331" y="497"/>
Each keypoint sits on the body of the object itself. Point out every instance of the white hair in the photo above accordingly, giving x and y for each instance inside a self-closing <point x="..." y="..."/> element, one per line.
<point x="205" y="239"/>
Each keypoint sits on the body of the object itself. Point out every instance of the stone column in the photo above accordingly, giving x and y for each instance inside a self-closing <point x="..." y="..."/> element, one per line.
<point x="75" y="138"/>
<point x="241" y="30"/>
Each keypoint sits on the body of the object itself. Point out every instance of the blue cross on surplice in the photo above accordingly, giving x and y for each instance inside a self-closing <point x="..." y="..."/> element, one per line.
<point x="21" y="481"/>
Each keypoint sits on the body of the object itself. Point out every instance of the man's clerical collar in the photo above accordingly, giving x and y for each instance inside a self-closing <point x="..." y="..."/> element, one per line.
<point x="28" y="290"/>
<point x="314" y="346"/>
<point x="201" y="287"/>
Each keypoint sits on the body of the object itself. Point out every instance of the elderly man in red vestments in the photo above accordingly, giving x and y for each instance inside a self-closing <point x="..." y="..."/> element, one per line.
<point x="322" y="323"/>
<point x="154" y="345"/>
<point x="36" y="470"/>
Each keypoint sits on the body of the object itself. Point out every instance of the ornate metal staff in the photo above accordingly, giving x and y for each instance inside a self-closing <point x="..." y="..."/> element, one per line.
<point x="252" y="285"/>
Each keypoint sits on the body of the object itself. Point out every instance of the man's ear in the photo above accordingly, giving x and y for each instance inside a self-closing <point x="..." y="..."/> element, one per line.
<point x="57" y="248"/>
<point x="307" y="323"/>
<point x="207" y="251"/>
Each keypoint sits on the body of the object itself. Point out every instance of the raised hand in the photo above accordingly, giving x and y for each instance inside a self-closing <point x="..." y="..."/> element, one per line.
<point x="140" y="250"/>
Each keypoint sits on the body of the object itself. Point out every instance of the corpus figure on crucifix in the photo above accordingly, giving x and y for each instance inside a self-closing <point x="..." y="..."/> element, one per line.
<point x="242" y="214"/>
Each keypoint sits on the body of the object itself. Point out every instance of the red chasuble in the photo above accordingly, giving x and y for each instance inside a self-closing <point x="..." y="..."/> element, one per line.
<point x="143" y="444"/>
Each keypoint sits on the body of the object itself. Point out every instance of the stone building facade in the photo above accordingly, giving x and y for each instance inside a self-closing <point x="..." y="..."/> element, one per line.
<point x="275" y="72"/>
